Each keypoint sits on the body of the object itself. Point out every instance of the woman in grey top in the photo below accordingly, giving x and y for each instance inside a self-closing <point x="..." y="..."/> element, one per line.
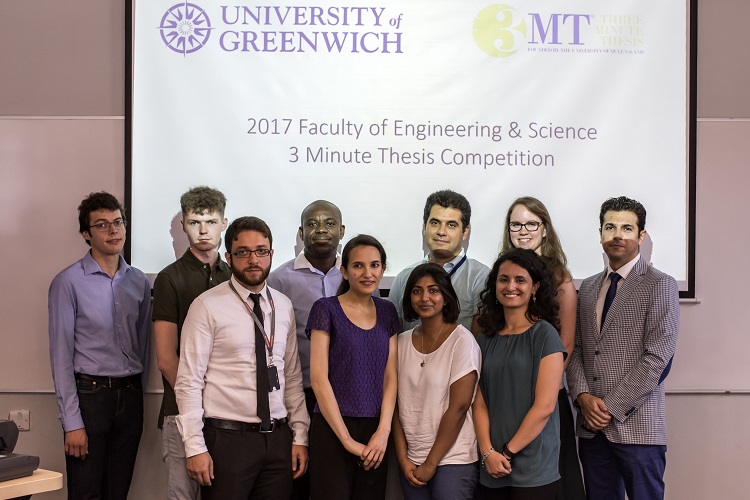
<point x="515" y="412"/>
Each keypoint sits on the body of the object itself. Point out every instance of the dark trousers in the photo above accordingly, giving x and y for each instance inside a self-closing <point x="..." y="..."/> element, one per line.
<point x="571" y="481"/>
<point x="301" y="486"/>
<point x="114" y="422"/>
<point x="336" y="474"/>
<point x="546" y="492"/>
<point x="249" y="465"/>
<point x="611" y="469"/>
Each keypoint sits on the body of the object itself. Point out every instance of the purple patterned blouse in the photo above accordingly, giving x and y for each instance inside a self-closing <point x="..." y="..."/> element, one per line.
<point x="356" y="357"/>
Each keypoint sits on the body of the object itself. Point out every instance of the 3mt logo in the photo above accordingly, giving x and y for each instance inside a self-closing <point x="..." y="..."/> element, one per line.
<point x="185" y="28"/>
<point x="499" y="30"/>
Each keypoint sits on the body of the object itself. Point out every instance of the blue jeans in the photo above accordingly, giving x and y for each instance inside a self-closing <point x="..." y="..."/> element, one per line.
<point x="179" y="484"/>
<point x="113" y="419"/>
<point x="450" y="482"/>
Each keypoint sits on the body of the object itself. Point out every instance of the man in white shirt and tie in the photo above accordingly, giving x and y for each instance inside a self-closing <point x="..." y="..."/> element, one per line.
<point x="239" y="386"/>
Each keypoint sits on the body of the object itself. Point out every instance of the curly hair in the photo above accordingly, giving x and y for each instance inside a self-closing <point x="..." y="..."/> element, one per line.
<point x="545" y="306"/>
<point x="203" y="199"/>
<point x="551" y="248"/>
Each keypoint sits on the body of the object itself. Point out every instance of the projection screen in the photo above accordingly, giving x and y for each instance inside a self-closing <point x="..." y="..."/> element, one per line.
<point x="375" y="105"/>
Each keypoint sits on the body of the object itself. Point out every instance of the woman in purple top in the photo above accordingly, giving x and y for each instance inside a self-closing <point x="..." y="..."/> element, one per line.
<point x="353" y="373"/>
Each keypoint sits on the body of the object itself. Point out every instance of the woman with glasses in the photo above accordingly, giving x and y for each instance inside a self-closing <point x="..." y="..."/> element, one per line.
<point x="528" y="225"/>
<point x="515" y="411"/>
<point x="438" y="368"/>
<point x="353" y="345"/>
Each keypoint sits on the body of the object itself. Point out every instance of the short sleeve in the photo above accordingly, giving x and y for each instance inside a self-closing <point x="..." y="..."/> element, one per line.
<point x="552" y="342"/>
<point x="466" y="357"/>
<point x="392" y="323"/>
<point x="165" y="300"/>
<point x="320" y="317"/>
<point x="482" y="342"/>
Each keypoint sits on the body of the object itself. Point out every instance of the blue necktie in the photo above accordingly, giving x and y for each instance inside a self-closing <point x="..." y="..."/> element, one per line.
<point x="613" y="278"/>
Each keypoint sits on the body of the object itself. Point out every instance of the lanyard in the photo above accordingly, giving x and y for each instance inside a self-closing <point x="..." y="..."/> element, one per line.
<point x="258" y="325"/>
<point x="455" y="268"/>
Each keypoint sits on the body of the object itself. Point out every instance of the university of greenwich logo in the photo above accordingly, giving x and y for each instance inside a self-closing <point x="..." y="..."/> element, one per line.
<point x="283" y="29"/>
<point x="185" y="28"/>
<point x="499" y="30"/>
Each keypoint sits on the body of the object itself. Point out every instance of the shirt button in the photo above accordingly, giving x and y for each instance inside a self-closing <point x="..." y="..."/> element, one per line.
<point x="595" y="379"/>
<point x="596" y="353"/>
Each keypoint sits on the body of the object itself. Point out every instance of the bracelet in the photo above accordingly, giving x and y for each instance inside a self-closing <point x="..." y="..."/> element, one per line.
<point x="485" y="455"/>
<point x="508" y="454"/>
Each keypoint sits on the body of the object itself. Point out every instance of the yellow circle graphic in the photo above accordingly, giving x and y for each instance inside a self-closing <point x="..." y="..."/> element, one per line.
<point x="498" y="30"/>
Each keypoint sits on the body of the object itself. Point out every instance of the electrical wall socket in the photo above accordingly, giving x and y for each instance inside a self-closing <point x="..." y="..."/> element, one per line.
<point x="21" y="418"/>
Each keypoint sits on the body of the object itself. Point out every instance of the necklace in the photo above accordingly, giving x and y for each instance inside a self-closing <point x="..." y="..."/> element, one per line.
<point x="424" y="354"/>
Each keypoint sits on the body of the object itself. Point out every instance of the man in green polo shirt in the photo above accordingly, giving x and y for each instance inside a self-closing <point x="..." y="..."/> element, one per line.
<point x="175" y="288"/>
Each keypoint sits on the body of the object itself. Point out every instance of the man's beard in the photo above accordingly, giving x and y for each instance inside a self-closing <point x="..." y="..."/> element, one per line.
<point x="240" y="276"/>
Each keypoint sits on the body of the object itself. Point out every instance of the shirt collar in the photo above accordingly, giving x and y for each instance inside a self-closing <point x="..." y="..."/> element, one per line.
<point x="301" y="262"/>
<point x="624" y="270"/>
<point x="90" y="266"/>
<point x="244" y="292"/>
<point x="193" y="261"/>
<point x="448" y="266"/>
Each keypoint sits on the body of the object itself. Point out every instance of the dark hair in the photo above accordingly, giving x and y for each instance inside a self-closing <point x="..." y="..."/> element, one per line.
<point x="624" y="204"/>
<point x="551" y="248"/>
<point x="203" y="199"/>
<point x="246" y="224"/>
<point x="451" y="307"/>
<point x="448" y="199"/>
<point x="93" y="202"/>
<point x="491" y="315"/>
<point x="361" y="240"/>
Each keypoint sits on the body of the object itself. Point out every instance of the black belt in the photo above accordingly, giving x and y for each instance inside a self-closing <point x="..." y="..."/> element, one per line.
<point x="112" y="382"/>
<point x="233" y="425"/>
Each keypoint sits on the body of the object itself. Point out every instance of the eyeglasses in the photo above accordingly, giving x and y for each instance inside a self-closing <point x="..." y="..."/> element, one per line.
<point x="104" y="226"/>
<point x="530" y="226"/>
<point x="245" y="254"/>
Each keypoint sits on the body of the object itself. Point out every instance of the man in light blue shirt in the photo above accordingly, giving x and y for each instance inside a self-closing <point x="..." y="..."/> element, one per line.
<point x="446" y="220"/>
<point x="99" y="335"/>
<point x="313" y="274"/>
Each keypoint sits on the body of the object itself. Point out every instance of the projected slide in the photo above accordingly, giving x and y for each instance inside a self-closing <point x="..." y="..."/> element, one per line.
<point x="375" y="105"/>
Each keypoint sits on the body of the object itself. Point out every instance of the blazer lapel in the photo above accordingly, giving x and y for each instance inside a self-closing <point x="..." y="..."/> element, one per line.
<point x="628" y="287"/>
<point x="591" y="302"/>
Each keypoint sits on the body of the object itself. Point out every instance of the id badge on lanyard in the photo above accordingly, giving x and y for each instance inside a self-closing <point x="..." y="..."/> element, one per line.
<point x="273" y="372"/>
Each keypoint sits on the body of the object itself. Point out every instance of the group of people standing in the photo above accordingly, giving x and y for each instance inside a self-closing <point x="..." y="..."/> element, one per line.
<point x="460" y="371"/>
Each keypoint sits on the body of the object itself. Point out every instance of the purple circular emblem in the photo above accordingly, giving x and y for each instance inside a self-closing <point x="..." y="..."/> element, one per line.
<point x="185" y="28"/>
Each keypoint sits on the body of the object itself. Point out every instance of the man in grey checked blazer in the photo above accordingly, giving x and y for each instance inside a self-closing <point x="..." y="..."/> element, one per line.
<point x="617" y="367"/>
